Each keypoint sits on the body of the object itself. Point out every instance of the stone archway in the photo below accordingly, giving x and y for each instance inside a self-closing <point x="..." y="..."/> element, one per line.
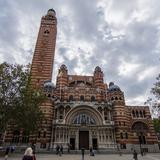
<point x="83" y="110"/>
<point x="141" y="129"/>
<point x="83" y="118"/>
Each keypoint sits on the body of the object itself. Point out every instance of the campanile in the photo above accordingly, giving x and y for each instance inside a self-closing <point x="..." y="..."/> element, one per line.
<point x="43" y="58"/>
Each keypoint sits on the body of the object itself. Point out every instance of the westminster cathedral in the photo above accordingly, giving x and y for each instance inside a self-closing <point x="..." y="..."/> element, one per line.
<point x="82" y="111"/>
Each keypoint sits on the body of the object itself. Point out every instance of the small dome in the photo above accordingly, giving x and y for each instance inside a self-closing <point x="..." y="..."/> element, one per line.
<point x="51" y="12"/>
<point x="113" y="87"/>
<point x="48" y="86"/>
<point x="63" y="67"/>
<point x="97" y="69"/>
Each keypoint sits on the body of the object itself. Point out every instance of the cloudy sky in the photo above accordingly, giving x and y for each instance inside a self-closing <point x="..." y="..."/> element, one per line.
<point x="120" y="36"/>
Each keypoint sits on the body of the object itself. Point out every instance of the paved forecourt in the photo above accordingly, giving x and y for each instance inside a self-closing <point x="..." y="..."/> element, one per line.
<point x="155" y="156"/>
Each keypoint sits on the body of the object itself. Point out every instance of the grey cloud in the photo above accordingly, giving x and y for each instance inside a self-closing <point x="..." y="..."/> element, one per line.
<point x="85" y="21"/>
<point x="8" y="31"/>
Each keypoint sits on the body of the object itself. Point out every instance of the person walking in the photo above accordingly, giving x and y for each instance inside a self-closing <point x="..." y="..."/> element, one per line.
<point x="135" y="156"/>
<point x="28" y="155"/>
<point x="90" y="150"/>
<point x="34" y="155"/>
<point x="82" y="151"/>
<point x="57" y="149"/>
<point x="68" y="149"/>
<point x="6" y="153"/>
<point x="61" y="149"/>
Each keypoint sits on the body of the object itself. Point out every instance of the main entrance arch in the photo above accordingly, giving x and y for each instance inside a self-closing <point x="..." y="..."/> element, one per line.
<point x="85" y="119"/>
<point x="84" y="126"/>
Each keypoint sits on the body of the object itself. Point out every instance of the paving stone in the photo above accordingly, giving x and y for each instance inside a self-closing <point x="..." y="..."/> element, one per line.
<point x="155" y="156"/>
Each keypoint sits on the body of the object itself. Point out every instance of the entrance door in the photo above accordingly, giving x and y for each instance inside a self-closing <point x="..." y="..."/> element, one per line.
<point x="72" y="143"/>
<point x="84" y="139"/>
<point x="94" y="142"/>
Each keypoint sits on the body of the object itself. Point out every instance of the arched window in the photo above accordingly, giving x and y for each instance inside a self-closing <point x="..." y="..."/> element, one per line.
<point x="137" y="114"/>
<point x="121" y="135"/>
<point x="84" y="119"/>
<point x="93" y="98"/>
<point x="141" y="114"/>
<point x="144" y="114"/>
<point x="81" y="98"/>
<point x="126" y="135"/>
<point x="133" y="113"/>
<point x="112" y="99"/>
<point x="71" y="98"/>
<point x="46" y="32"/>
<point x="116" y="98"/>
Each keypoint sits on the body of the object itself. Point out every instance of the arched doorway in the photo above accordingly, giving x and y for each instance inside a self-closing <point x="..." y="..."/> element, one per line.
<point x="141" y="129"/>
<point x="85" y="119"/>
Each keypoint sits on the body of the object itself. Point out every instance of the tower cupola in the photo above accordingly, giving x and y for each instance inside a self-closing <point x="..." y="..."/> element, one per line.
<point x="51" y="12"/>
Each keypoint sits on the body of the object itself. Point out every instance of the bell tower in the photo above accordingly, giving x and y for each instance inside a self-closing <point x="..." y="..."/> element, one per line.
<point x="43" y="59"/>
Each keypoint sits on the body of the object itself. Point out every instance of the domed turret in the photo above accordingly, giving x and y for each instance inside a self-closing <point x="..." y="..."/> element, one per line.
<point x="51" y="12"/>
<point x="115" y="94"/>
<point x="97" y="69"/>
<point x="63" y="67"/>
<point x="48" y="86"/>
<point x="113" y="87"/>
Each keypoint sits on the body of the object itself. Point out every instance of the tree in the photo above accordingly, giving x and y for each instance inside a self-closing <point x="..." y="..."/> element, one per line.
<point x="155" y="101"/>
<point x="156" y="123"/>
<point x="19" y="101"/>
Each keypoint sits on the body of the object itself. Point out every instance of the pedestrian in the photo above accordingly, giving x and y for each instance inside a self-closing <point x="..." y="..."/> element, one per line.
<point x="141" y="152"/>
<point x="135" y="156"/>
<point x="6" y="153"/>
<point x="57" y="149"/>
<point x="91" y="151"/>
<point x="61" y="149"/>
<point x="34" y="155"/>
<point x="33" y="146"/>
<point x="82" y="151"/>
<point x="28" y="155"/>
<point x="12" y="149"/>
<point x="68" y="149"/>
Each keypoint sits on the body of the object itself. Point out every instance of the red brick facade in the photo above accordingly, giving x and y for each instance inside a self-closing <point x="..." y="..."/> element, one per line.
<point x="84" y="106"/>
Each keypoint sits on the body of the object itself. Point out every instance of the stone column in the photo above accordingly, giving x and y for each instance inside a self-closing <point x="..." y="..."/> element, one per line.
<point x="90" y="138"/>
<point x="77" y="140"/>
<point x="59" y="135"/>
<point x="63" y="135"/>
<point x="55" y="136"/>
